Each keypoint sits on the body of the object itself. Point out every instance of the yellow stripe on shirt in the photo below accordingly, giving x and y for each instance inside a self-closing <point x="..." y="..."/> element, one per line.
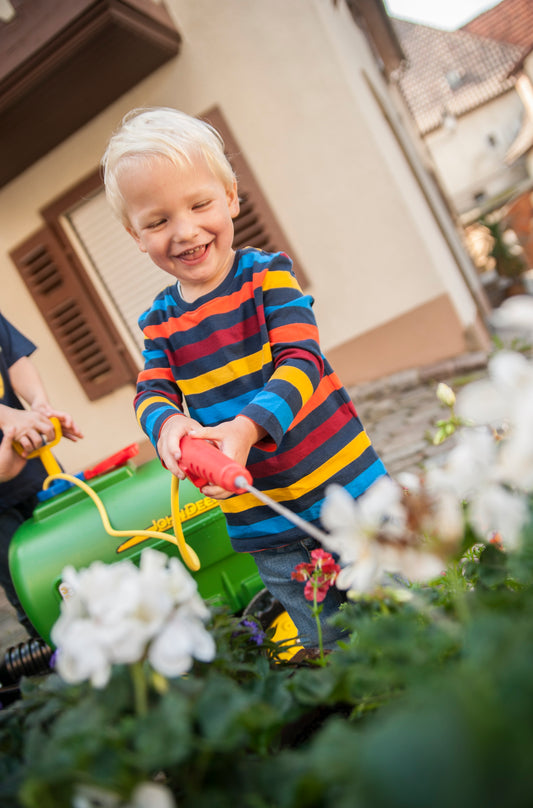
<point x="227" y="373"/>
<point x="298" y="378"/>
<point x="277" y="278"/>
<point x="315" y="479"/>
<point x="153" y="400"/>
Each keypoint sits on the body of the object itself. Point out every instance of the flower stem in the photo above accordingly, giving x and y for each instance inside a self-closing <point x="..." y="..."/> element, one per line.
<point x="458" y="588"/>
<point x="316" y="612"/>
<point x="140" y="694"/>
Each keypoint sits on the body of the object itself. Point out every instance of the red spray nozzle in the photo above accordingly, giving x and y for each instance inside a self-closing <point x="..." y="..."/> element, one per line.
<point x="203" y="463"/>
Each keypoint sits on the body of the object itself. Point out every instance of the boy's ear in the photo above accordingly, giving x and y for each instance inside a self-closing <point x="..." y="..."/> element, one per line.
<point x="233" y="200"/>
<point x="136" y="238"/>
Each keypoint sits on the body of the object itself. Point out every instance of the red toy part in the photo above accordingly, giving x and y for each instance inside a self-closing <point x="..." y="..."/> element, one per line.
<point x="203" y="463"/>
<point x="113" y="462"/>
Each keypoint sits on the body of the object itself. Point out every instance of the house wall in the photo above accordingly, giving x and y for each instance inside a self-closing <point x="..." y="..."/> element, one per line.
<point x="302" y="93"/>
<point x="468" y="162"/>
<point x="528" y="70"/>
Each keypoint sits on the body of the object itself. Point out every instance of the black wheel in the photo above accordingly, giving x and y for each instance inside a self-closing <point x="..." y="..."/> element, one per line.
<point x="264" y="607"/>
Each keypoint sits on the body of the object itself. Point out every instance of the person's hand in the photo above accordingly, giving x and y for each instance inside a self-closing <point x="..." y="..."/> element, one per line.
<point x="11" y="463"/>
<point x="235" y="439"/>
<point x="30" y="429"/>
<point x="168" y="444"/>
<point x="69" y="429"/>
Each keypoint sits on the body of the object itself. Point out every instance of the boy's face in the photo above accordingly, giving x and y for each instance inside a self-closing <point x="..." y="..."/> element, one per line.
<point x="182" y="217"/>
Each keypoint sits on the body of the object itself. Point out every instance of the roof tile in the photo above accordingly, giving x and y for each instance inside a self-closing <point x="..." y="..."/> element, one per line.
<point x="451" y="72"/>
<point x="510" y="21"/>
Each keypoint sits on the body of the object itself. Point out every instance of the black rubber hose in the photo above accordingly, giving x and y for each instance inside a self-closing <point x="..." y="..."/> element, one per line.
<point x="28" y="658"/>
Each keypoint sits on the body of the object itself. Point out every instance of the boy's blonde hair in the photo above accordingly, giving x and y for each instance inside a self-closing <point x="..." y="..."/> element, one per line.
<point x="161" y="132"/>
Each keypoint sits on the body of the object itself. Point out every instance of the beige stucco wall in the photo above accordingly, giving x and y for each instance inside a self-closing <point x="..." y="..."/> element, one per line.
<point x="288" y="76"/>
<point x="466" y="160"/>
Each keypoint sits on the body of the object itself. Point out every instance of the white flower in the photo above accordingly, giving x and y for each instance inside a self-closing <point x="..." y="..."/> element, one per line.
<point x="412" y="562"/>
<point x="468" y="466"/>
<point x="504" y="401"/>
<point x="119" y="613"/>
<point x="500" y="399"/>
<point x="152" y="795"/>
<point x="515" y="313"/>
<point x="445" y="394"/>
<point x="86" y="796"/>
<point x="353" y="526"/>
<point x="474" y="474"/>
<point x="81" y="655"/>
<point x="145" y="795"/>
<point x="379" y="508"/>
<point x="496" y="510"/>
<point x="371" y="537"/>
<point x="515" y="462"/>
<point x="182" y="638"/>
<point x="437" y="511"/>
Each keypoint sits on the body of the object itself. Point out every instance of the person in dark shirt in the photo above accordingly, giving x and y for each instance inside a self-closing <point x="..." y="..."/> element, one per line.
<point x="21" y="478"/>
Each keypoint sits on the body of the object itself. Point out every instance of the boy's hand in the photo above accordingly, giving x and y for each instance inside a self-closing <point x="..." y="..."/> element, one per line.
<point x="234" y="438"/>
<point x="168" y="445"/>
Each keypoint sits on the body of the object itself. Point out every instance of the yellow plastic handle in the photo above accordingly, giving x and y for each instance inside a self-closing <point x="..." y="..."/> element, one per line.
<point x="187" y="553"/>
<point x="48" y="460"/>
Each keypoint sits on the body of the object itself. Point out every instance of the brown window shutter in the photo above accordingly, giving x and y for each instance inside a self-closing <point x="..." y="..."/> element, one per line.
<point x="256" y="225"/>
<point x="82" y="328"/>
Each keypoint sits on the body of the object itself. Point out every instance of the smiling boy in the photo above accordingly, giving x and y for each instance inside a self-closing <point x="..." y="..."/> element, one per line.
<point x="182" y="217"/>
<point x="232" y="350"/>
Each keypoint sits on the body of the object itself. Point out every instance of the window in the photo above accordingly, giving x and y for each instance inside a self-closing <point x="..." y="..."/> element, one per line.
<point x="456" y="78"/>
<point x="91" y="282"/>
<point x="69" y="302"/>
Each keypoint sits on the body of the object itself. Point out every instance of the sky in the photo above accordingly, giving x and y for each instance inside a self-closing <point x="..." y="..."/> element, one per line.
<point x="446" y="14"/>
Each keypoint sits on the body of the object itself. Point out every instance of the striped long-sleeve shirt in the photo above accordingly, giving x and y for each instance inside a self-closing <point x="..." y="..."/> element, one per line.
<point x="251" y="348"/>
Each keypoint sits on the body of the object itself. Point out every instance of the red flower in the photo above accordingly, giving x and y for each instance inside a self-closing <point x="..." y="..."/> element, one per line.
<point x="319" y="574"/>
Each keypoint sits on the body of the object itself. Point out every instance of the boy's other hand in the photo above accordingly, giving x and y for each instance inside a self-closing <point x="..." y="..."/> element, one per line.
<point x="235" y="439"/>
<point x="168" y="445"/>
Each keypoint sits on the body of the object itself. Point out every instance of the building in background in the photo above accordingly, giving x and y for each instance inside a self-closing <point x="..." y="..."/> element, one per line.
<point x="330" y="167"/>
<point x="471" y="94"/>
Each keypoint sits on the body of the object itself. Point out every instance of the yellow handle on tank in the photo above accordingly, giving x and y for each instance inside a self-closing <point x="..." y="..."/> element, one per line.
<point x="44" y="452"/>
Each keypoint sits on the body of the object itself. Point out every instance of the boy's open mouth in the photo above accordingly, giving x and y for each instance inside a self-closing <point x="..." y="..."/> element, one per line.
<point x="194" y="254"/>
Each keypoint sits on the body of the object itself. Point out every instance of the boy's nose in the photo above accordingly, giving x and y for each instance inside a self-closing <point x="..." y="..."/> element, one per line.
<point x="183" y="229"/>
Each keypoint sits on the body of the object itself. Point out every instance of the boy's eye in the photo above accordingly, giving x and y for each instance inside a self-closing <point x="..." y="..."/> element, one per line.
<point x="153" y="225"/>
<point x="201" y="204"/>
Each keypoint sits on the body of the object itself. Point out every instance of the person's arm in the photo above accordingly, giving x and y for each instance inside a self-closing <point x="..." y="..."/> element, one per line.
<point x="157" y="399"/>
<point x="28" y="384"/>
<point x="296" y="353"/>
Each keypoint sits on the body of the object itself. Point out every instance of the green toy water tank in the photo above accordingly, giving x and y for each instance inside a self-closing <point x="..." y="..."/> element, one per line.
<point x="68" y="530"/>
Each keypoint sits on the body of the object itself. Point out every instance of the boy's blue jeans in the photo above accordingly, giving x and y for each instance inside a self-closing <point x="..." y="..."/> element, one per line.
<point x="275" y="568"/>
